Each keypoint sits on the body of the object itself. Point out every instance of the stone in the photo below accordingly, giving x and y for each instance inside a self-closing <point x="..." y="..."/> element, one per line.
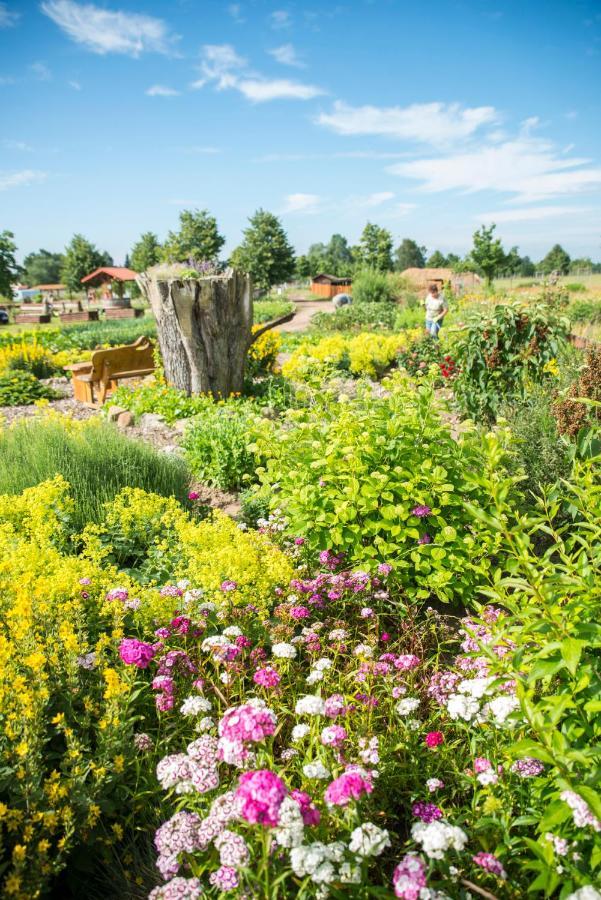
<point x="172" y="450"/>
<point x="269" y="412"/>
<point x="114" y="412"/>
<point x="181" y="424"/>
<point x="151" y="422"/>
<point x="125" y="419"/>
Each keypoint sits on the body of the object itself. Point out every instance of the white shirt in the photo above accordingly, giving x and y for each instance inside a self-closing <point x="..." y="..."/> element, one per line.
<point x="434" y="306"/>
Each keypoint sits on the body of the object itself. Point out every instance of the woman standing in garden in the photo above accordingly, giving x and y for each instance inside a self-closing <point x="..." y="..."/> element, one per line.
<point x="436" y="310"/>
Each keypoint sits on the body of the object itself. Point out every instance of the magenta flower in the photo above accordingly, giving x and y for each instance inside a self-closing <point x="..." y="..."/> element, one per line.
<point x="409" y="878"/>
<point x="309" y="812"/>
<point x="247" y="723"/>
<point x="351" y="785"/>
<point x="260" y="795"/>
<point x="489" y="862"/>
<point x="136" y="653"/>
<point x="267" y="677"/>
<point x="193" y="495"/>
<point x="228" y="585"/>
<point x="427" y="812"/>
<point x="117" y="593"/>
<point x="421" y="511"/>
<point x="299" y="612"/>
<point x="384" y="569"/>
<point x="434" y="739"/>
<point x="299" y="541"/>
<point x="425" y="539"/>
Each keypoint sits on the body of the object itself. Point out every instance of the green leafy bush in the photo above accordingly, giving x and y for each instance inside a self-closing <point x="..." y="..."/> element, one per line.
<point x="500" y="351"/>
<point x="575" y="287"/>
<point x="371" y="286"/>
<point x="20" y="388"/>
<point x="216" y="444"/>
<point x="349" y="475"/>
<point x="584" y="311"/>
<point x="367" y="316"/>
<point x="96" y="459"/>
<point x="270" y="308"/>
<point x="163" y="399"/>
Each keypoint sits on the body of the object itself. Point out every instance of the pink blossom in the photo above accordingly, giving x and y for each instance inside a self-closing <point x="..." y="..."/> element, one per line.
<point x="228" y="585"/>
<point x="247" y="723"/>
<point x="260" y="795"/>
<point x="333" y="735"/>
<point x="407" y="661"/>
<point x="334" y="706"/>
<point x="225" y="878"/>
<point x="267" y="677"/>
<point x="309" y="812"/>
<point x="136" y="653"/>
<point x="434" y="739"/>
<point x="348" y="786"/>
<point x="409" y="878"/>
<point x="489" y="862"/>
<point x="193" y="495"/>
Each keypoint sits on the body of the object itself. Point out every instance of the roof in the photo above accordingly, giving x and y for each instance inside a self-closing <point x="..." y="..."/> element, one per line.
<point x="116" y="273"/>
<point x="425" y="274"/>
<point x="333" y="279"/>
<point x="48" y="287"/>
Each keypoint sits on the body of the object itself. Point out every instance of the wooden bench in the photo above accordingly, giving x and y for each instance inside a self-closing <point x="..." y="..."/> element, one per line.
<point x="108" y="367"/>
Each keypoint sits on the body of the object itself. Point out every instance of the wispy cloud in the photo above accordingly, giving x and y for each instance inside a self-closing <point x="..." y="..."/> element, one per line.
<point x="279" y="19"/>
<point x="235" y="12"/>
<point x="432" y="123"/>
<point x="161" y="90"/>
<point x="530" y="214"/>
<point x="373" y="200"/>
<point x="18" y="146"/>
<point x="286" y="55"/>
<point x="75" y="85"/>
<point x="105" y="31"/>
<point x="222" y="66"/>
<point x="310" y="204"/>
<point x="302" y="203"/>
<point x="41" y="71"/>
<point x="8" y="17"/>
<point x="20" y="179"/>
<point x="527" y="169"/>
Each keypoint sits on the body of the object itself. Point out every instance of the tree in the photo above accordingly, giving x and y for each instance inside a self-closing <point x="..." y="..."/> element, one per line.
<point x="487" y="254"/>
<point x="436" y="260"/>
<point x="453" y="260"/>
<point x="9" y="269"/>
<point x="527" y="268"/>
<point x="556" y="260"/>
<point x="339" y="256"/>
<point x="375" y="248"/>
<point x="584" y="264"/>
<point x="317" y="255"/>
<point x="198" y="238"/>
<point x="409" y="255"/>
<point x="265" y="253"/>
<point x="513" y="262"/>
<point x="145" y="253"/>
<point x="42" y="267"/>
<point x="303" y="267"/>
<point x="81" y="257"/>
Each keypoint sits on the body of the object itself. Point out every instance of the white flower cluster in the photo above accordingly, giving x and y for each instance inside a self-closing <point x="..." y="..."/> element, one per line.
<point x="407" y="705"/>
<point x="437" y="837"/>
<point x="309" y="705"/>
<point x="232" y="631"/>
<point x="316" y="770"/>
<point x="337" y="634"/>
<point x="284" y="651"/>
<point x="368" y="840"/>
<point x="465" y="702"/>
<point x="364" y="650"/>
<point x="291" y="828"/>
<point x="319" y="668"/>
<point x="369" y="751"/>
<point x="299" y="732"/>
<point x="588" y="892"/>
<point x="193" y="706"/>
<point x="501" y="707"/>
<point x="317" y="861"/>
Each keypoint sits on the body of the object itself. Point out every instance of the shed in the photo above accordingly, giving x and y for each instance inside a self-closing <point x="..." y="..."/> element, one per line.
<point x="421" y="279"/>
<point x="107" y="274"/>
<point x="49" y="291"/>
<point x="325" y="285"/>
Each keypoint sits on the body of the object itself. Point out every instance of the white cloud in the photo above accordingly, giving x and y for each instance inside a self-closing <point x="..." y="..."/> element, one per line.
<point x="527" y="168"/>
<point x="106" y="31"/>
<point x="41" y="71"/>
<point x="222" y="66"/>
<point x="75" y="85"/>
<point x="376" y="199"/>
<point x="530" y="214"/>
<point x="8" y="17"/>
<point x="286" y="55"/>
<point x="20" y="146"/>
<point x="302" y="203"/>
<point x="433" y="123"/>
<point x="20" y="179"/>
<point x="235" y="11"/>
<point x="280" y="18"/>
<point x="160" y="90"/>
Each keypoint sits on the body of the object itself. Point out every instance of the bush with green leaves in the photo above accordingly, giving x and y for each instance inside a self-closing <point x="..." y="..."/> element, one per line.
<point x="271" y="308"/>
<point x="20" y="388"/>
<point x="501" y="351"/>
<point x="383" y="479"/>
<point x="372" y="286"/>
<point x="216" y="444"/>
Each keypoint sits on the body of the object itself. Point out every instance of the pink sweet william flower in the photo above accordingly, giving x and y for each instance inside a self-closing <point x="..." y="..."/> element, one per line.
<point x="117" y="593"/>
<point x="421" y="511"/>
<point x="434" y="739"/>
<point x="225" y="878"/>
<point x="193" y="495"/>
<point x="384" y="569"/>
<point x="407" y="661"/>
<point x="409" y="878"/>
<point x="489" y="862"/>
<point x="136" y="653"/>
<point x="482" y="764"/>
<point x="333" y="735"/>
<point x="427" y="812"/>
<point x="228" y="585"/>
<point x="309" y="812"/>
<point x="247" y="723"/>
<point x="267" y="677"/>
<point x="299" y="612"/>
<point x="348" y="786"/>
<point x="334" y="706"/>
<point x="260" y="795"/>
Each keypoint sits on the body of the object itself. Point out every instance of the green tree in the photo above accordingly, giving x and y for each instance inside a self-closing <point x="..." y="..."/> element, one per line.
<point x="317" y="255"/>
<point x="527" y="268"/>
<point x="81" y="257"/>
<point x="198" y="238"/>
<point x="583" y="264"/>
<point x="303" y="267"/>
<point x="9" y="269"/>
<point x="42" y="267"/>
<point x="409" y="255"/>
<point x="145" y="253"/>
<point x="453" y="260"/>
<point x="436" y="260"/>
<point x="374" y="250"/>
<point x="487" y="254"/>
<point x="513" y="262"/>
<point x="339" y="256"/>
<point x="265" y="251"/>
<point x="556" y="260"/>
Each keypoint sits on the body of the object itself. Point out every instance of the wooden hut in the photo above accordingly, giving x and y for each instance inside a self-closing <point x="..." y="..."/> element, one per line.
<point x="421" y="279"/>
<point x="324" y="285"/>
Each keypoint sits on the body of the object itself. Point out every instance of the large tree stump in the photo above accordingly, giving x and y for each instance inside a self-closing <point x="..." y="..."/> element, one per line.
<point x="204" y="326"/>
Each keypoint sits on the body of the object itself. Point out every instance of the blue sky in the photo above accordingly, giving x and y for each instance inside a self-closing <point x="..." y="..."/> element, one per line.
<point x="426" y="118"/>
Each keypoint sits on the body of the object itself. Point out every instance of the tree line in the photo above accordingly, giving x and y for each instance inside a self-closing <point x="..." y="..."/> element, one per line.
<point x="266" y="252"/>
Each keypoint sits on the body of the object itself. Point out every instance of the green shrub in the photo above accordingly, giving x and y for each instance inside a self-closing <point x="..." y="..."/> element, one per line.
<point x="96" y="459"/>
<point x="501" y="351"/>
<point x="216" y="444"/>
<point x="371" y="286"/>
<point x="366" y="316"/>
<point x="348" y="475"/>
<point x="270" y="308"/>
<point x="575" y="287"/>
<point x="162" y="399"/>
<point x="584" y="311"/>
<point x="408" y="317"/>
<point x="20" y="388"/>
<point x="88" y="335"/>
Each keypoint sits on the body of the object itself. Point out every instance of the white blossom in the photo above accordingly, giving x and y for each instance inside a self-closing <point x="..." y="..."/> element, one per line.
<point x="588" y="892"/>
<point x="284" y="651"/>
<point x="369" y="840"/>
<point x="407" y="705"/>
<point x="309" y="705"/>
<point x="437" y="837"/>
<point x="193" y="706"/>
<point x="316" y="770"/>
<point x="501" y="707"/>
<point x="299" y="732"/>
<point x="461" y="707"/>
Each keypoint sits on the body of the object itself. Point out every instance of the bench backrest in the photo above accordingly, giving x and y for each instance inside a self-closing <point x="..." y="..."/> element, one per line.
<point x="129" y="358"/>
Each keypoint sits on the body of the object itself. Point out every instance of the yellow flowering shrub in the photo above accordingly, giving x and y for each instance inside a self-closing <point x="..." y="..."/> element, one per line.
<point x="263" y="354"/>
<point x="365" y="355"/>
<point x="63" y="703"/>
<point x="157" y="539"/>
<point x="34" y="357"/>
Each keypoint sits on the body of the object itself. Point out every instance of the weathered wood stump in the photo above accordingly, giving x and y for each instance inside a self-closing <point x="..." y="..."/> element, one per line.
<point x="204" y="327"/>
